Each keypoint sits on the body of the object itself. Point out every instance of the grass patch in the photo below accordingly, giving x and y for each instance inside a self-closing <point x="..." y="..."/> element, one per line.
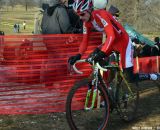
<point x="9" y="16"/>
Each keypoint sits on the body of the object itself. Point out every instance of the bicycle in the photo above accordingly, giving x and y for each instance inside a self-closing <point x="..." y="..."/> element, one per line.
<point x="114" y="94"/>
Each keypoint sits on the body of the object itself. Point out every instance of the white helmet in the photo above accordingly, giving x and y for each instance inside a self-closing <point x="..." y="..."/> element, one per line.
<point x="100" y="4"/>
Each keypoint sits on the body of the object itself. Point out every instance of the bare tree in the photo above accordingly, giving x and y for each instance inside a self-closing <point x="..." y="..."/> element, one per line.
<point x="12" y="3"/>
<point x="26" y="3"/>
<point x="2" y="3"/>
<point x="144" y="15"/>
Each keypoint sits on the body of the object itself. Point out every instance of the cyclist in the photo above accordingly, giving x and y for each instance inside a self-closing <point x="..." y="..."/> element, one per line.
<point x="93" y="14"/>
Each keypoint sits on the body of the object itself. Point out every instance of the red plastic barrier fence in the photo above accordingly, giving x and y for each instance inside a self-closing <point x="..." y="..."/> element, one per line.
<point x="33" y="71"/>
<point x="147" y="64"/>
<point x="34" y="76"/>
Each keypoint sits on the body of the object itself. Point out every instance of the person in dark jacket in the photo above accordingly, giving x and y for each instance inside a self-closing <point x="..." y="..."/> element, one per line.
<point x="56" y="20"/>
<point x="156" y="49"/>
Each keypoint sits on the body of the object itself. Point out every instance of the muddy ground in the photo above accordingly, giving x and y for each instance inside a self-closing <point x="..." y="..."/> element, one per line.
<point x="148" y="116"/>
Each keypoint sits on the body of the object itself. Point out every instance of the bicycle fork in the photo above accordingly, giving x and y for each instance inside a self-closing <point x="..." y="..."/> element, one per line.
<point x="90" y="96"/>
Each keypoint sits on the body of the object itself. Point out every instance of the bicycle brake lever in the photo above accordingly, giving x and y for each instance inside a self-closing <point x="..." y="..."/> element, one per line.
<point x="70" y="69"/>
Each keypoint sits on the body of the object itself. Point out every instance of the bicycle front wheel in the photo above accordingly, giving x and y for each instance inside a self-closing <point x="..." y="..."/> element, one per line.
<point x="92" y="119"/>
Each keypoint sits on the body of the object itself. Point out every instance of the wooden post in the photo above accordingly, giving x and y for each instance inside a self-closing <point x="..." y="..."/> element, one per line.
<point x="98" y="95"/>
<point x="157" y="57"/>
<point x="137" y="65"/>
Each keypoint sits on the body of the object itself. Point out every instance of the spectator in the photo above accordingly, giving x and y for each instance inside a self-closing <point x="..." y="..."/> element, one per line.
<point x="38" y="19"/>
<point x="24" y="25"/>
<point x="137" y="47"/>
<point x="15" y="28"/>
<point x="18" y="27"/>
<point x="1" y="33"/>
<point x="74" y="18"/>
<point x="156" y="49"/>
<point x="146" y="51"/>
<point x="56" y="20"/>
<point x="141" y="49"/>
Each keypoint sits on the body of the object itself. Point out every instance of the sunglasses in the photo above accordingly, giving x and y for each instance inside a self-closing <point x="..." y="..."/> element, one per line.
<point x="81" y="14"/>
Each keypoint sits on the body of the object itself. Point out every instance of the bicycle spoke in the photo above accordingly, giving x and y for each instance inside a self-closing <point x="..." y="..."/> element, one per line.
<point x="81" y="119"/>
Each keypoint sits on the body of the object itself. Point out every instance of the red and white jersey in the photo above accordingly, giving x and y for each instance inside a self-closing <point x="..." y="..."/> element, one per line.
<point x="117" y="38"/>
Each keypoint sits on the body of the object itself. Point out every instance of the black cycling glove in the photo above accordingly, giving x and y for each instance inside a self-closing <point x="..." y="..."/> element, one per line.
<point x="97" y="55"/>
<point x="73" y="59"/>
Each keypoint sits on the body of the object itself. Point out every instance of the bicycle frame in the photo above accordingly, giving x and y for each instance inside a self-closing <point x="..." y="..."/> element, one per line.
<point x="96" y="68"/>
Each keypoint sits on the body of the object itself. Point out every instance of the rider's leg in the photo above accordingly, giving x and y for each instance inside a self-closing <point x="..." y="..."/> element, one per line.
<point x="155" y="76"/>
<point x="129" y="75"/>
<point x="128" y="72"/>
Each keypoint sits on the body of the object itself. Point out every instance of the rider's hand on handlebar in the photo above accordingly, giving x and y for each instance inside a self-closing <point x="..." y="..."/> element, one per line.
<point x="97" y="55"/>
<point x="73" y="59"/>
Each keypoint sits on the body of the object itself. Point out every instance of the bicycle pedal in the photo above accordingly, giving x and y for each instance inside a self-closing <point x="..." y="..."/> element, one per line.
<point x="102" y="104"/>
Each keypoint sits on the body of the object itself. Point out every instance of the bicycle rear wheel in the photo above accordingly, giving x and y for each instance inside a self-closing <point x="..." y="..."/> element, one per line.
<point x="80" y="119"/>
<point x="127" y="100"/>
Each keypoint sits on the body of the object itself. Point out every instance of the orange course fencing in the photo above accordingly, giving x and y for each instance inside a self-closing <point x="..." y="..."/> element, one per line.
<point x="34" y="75"/>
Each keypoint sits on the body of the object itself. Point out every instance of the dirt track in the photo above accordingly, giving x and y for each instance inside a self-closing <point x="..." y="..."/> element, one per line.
<point x="148" y="116"/>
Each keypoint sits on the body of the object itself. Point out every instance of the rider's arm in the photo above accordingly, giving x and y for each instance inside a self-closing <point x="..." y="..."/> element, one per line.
<point x="86" y="33"/>
<point x="110" y="35"/>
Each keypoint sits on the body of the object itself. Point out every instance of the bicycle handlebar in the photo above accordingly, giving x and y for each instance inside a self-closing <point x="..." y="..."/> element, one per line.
<point x="84" y="60"/>
<point x="74" y="66"/>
